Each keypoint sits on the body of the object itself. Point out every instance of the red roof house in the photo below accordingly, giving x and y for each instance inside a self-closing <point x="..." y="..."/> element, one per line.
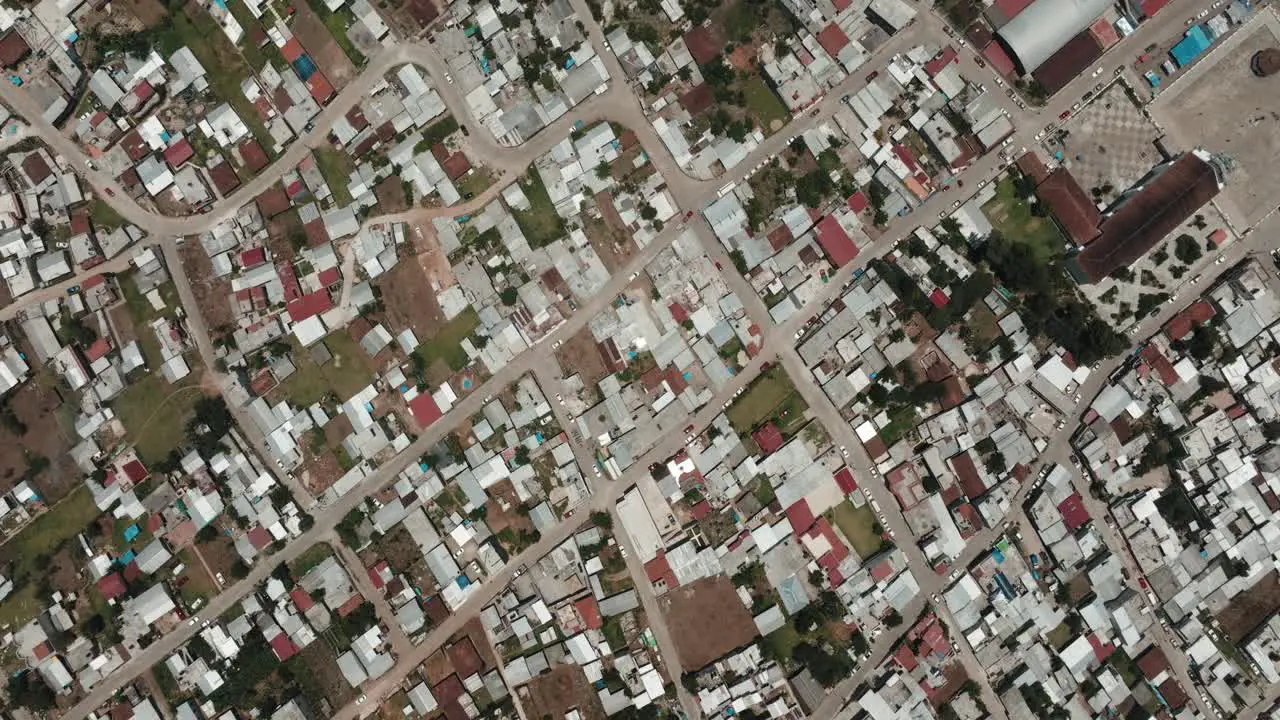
<point x="590" y="612"/>
<point x="1074" y="515"/>
<point x="112" y="586"/>
<point x="178" y="153"/>
<point x="425" y="410"/>
<point x="768" y="437"/>
<point x="835" y="241"/>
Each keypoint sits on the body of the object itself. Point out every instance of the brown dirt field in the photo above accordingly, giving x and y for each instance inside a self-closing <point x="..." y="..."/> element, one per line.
<point x="609" y="238"/>
<point x="437" y="667"/>
<point x="579" y="353"/>
<point x="956" y="676"/>
<point x="220" y="554"/>
<point x="150" y="12"/>
<point x="409" y="299"/>
<point x="321" y="663"/>
<point x="690" y="609"/>
<point x="63" y="571"/>
<point x="37" y="404"/>
<point x="1251" y="608"/>
<point x="319" y="472"/>
<point x="398" y="548"/>
<point x="315" y="37"/>
<point x="279" y="229"/>
<point x="122" y="324"/>
<point x="498" y="519"/>
<point x="212" y="294"/>
<point x="559" y="691"/>
<point x="390" y="194"/>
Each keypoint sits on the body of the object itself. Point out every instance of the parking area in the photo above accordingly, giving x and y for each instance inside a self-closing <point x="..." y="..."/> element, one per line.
<point x="1221" y="106"/>
<point x="1108" y="144"/>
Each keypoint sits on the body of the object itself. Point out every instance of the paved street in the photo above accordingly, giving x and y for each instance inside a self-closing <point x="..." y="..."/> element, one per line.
<point x="618" y="104"/>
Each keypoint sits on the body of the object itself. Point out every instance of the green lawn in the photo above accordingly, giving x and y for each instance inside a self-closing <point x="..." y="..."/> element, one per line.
<point x="198" y="584"/>
<point x="143" y="314"/>
<point x="475" y="182"/>
<point x="155" y="413"/>
<point x="26" y="553"/>
<point x="258" y="57"/>
<point x="764" y="105"/>
<point x="336" y="168"/>
<point x="1012" y="217"/>
<point x="540" y="224"/>
<point x="312" y="557"/>
<point x="346" y="373"/>
<point x="446" y="344"/>
<point x="782" y="641"/>
<point x="1059" y="636"/>
<point x="436" y="132"/>
<point x="222" y="61"/>
<point x="104" y="217"/>
<point x="858" y="525"/>
<point x="771" y="394"/>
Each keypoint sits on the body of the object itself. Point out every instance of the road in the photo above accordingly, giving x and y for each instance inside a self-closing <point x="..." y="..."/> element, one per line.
<point x="689" y="191"/>
<point x="399" y="642"/>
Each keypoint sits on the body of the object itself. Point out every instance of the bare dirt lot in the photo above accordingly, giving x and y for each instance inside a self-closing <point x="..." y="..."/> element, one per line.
<point x="499" y="519"/>
<point x="409" y="299"/>
<point x="709" y="602"/>
<point x="36" y="405"/>
<point x="212" y="294"/>
<point x="1251" y="608"/>
<point x="579" y="353"/>
<point x="150" y="12"/>
<point x="559" y="691"/>
<point x="609" y="237"/>
<point x="328" y="54"/>
<point x="1222" y="106"/>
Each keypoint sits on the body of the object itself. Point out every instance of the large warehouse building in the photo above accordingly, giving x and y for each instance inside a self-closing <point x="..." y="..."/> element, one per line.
<point x="1046" y="27"/>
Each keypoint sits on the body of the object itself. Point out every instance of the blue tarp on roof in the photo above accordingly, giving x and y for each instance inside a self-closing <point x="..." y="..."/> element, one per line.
<point x="1196" y="41"/>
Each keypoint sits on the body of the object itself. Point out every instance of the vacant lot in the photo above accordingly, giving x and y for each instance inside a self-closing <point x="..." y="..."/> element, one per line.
<point x="409" y="299"/>
<point x="324" y="36"/>
<point x="25" y="556"/>
<point x="195" y="582"/>
<point x="555" y="693"/>
<point x="155" y="413"/>
<point x="213" y="294"/>
<point x="764" y="106"/>
<point x="579" y="355"/>
<point x="36" y="449"/>
<point x="772" y="394"/>
<point x="446" y="344"/>
<point x="142" y="314"/>
<point x="540" y="224"/>
<point x="709" y="602"/>
<point x="345" y="374"/>
<point x="1251" y="608"/>
<point x="335" y="165"/>
<point x="858" y="525"/>
<point x="1012" y="217"/>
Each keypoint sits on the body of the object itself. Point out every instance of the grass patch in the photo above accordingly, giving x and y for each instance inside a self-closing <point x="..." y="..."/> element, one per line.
<point x="223" y="63"/>
<point x="198" y="585"/>
<point x="336" y="168"/>
<point x="474" y="183"/>
<point x="155" y="413"/>
<point x="772" y="394"/>
<point x="1059" y="636"/>
<point x="858" y="525"/>
<point x="764" y="105"/>
<point x="1012" y="217"/>
<point x="436" y="132"/>
<point x="258" y="57"/>
<point x="105" y="217"/>
<point x="346" y="373"/>
<point x="446" y="344"/>
<point x="782" y="641"/>
<point x="28" y="552"/>
<point x="313" y="556"/>
<point x="540" y="224"/>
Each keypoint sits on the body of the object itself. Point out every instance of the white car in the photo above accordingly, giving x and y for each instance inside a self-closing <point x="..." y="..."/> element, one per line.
<point x="220" y="579"/>
<point x="1075" y="107"/>
<point x="1221" y="259"/>
<point x="448" y="78"/>
<point x="955" y="573"/>
<point x="560" y="398"/>
<point x="635" y="275"/>
<point x="890" y="532"/>
<point x="192" y="622"/>
<point x="1062" y="424"/>
<point x="555" y="344"/>
<point x="936" y="598"/>
<point x="360" y="700"/>
<point x="1196" y="279"/>
<point x="844" y="451"/>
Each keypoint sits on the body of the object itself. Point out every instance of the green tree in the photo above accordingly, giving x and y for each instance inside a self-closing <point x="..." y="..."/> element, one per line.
<point x="1186" y="249"/>
<point x="509" y="296"/>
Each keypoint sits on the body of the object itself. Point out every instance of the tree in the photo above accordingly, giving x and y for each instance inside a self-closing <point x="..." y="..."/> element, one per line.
<point x="1186" y="249"/>
<point x="603" y="170"/>
<point x="602" y="519"/>
<point x="930" y="484"/>
<point x="648" y="212"/>
<point x="813" y="188"/>
<point x="996" y="464"/>
<point x="893" y="619"/>
<point x="509" y="296"/>
<point x="522" y="455"/>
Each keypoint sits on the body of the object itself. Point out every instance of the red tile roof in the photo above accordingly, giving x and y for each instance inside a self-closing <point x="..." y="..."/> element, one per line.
<point x="858" y="202"/>
<point x="700" y="509"/>
<point x="178" y="153"/>
<point x="702" y="45"/>
<point x="1071" y="206"/>
<point x="301" y="599"/>
<point x="1158" y="362"/>
<point x="940" y="61"/>
<point x="1150" y="215"/>
<point x="224" y="178"/>
<point x="768" y="437"/>
<point x="135" y="471"/>
<point x="329" y="276"/>
<point x="112" y="586"/>
<point x="967" y="472"/>
<point x="425" y="410"/>
<point x="832" y="39"/>
<point x="1151" y="7"/>
<point x="284" y="647"/>
<point x="13" y="48"/>
<point x="253" y="156"/>
<point x="799" y="515"/>
<point x="1074" y="515"/>
<point x="1184" y="322"/>
<point x="272" y="202"/>
<point x="259" y="537"/>
<point x="658" y="570"/>
<point x="998" y="58"/>
<point x="320" y="87"/>
<point x="835" y="241"/>
<point x="844" y="478"/>
<point x="939" y="298"/>
<point x="99" y="348"/>
<point x="904" y="657"/>
<point x="589" y="610"/>
<point x="253" y="258"/>
<point x="309" y="305"/>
